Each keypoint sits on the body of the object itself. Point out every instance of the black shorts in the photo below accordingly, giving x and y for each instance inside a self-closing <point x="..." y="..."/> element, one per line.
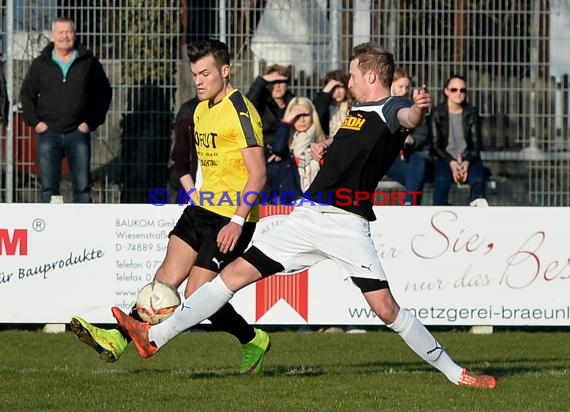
<point x="199" y="228"/>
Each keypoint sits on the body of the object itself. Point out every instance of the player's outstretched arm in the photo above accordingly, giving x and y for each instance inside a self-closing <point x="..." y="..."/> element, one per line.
<point x="412" y="117"/>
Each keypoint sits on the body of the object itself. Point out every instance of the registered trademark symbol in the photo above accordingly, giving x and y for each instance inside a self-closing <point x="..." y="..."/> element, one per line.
<point x="38" y="225"/>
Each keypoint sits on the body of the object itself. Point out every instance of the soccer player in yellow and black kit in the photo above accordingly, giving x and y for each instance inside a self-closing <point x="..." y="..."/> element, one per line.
<point x="219" y="223"/>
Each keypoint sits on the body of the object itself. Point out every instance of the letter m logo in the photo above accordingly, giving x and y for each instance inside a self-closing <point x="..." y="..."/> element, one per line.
<point x="18" y="240"/>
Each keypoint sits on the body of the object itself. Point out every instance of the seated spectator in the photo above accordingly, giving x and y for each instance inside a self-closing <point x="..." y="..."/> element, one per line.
<point x="409" y="168"/>
<point x="270" y="95"/>
<point x="456" y="131"/>
<point x="333" y="102"/>
<point x="291" y="167"/>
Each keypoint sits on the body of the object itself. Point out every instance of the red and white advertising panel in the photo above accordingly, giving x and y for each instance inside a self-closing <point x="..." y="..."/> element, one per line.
<point x="449" y="265"/>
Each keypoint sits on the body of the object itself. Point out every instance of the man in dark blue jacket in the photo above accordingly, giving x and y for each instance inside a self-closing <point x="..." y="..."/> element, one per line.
<point x="65" y="96"/>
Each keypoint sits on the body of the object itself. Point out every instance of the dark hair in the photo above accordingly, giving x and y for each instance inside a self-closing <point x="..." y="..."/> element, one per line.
<point x="337" y="75"/>
<point x="217" y="49"/>
<point x="373" y="57"/>
<point x="454" y="76"/>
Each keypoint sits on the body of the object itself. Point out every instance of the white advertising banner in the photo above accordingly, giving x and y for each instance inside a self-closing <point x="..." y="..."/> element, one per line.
<point x="448" y="265"/>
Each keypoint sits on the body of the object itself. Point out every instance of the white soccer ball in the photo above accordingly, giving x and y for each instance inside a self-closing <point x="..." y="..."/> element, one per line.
<point x="156" y="301"/>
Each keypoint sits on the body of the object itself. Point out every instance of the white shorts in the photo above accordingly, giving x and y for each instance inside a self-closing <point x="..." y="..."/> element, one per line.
<point x="311" y="234"/>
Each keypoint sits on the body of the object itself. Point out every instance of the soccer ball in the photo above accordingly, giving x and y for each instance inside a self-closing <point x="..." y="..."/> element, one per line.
<point x="156" y="301"/>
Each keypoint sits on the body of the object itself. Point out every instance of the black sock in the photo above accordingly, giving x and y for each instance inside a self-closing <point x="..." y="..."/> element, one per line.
<point x="228" y="320"/>
<point x="133" y="313"/>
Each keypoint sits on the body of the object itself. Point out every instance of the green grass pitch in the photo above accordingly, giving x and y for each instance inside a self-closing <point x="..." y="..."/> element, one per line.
<point x="303" y="372"/>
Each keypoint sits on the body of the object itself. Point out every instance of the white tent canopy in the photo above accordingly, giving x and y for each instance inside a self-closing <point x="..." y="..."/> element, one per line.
<point x="293" y="33"/>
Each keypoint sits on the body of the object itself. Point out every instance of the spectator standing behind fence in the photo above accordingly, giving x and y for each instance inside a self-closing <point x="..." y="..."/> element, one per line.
<point x="333" y="102"/>
<point x="270" y="95"/>
<point x="145" y="141"/>
<point x="184" y="156"/>
<point x="456" y="131"/>
<point x="291" y="166"/>
<point x="411" y="165"/>
<point x="65" y="96"/>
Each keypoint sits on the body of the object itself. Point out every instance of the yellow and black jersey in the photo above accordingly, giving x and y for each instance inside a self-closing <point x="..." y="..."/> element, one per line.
<point x="221" y="131"/>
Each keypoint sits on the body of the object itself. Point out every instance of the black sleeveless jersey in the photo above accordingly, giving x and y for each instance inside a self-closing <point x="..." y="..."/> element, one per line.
<point x="362" y="151"/>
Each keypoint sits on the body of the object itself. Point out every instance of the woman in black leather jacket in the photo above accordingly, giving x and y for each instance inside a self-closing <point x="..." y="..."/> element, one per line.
<point x="456" y="132"/>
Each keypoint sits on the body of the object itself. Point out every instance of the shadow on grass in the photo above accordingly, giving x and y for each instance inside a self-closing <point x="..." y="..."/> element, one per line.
<point x="301" y="371"/>
<point x="496" y="367"/>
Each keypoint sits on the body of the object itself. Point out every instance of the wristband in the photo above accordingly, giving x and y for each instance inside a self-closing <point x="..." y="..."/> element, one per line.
<point x="238" y="219"/>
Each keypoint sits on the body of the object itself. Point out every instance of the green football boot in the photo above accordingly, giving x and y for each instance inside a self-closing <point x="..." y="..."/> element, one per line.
<point x="109" y="343"/>
<point x="254" y="352"/>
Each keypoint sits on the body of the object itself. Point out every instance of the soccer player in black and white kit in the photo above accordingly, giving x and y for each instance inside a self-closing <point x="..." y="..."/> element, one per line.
<point x="356" y="159"/>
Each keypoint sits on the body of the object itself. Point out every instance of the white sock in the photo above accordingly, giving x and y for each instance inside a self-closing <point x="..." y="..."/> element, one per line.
<point x="202" y="304"/>
<point x="424" y="344"/>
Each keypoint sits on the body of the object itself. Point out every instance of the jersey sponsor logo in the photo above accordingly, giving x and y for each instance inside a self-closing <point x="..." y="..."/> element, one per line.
<point x="205" y="139"/>
<point x="208" y="163"/>
<point x="353" y="122"/>
<point x="244" y="114"/>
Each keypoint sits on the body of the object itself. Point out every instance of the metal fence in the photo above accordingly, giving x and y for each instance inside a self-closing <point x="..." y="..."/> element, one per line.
<point x="512" y="52"/>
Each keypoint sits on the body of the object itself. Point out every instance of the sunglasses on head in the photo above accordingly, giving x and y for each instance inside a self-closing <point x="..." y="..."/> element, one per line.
<point x="455" y="90"/>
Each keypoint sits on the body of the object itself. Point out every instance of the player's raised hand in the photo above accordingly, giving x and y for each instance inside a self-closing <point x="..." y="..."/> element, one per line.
<point x="331" y="84"/>
<point x="421" y="97"/>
